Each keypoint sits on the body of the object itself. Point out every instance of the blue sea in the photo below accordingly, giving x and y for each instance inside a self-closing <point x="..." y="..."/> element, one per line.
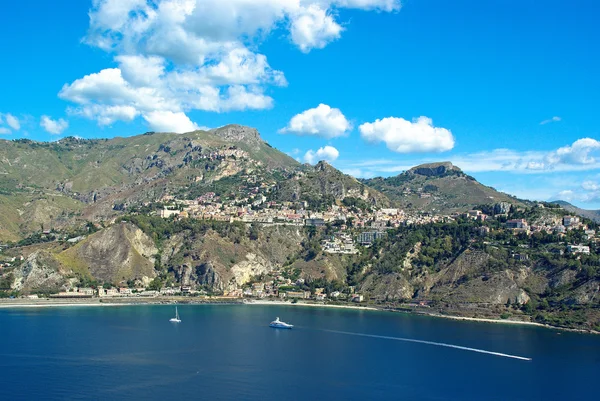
<point x="225" y="352"/>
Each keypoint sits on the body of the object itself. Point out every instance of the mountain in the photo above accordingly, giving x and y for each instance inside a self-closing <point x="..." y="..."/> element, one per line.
<point x="323" y="185"/>
<point x="88" y="212"/>
<point x="440" y="187"/>
<point x="590" y="214"/>
<point x="61" y="184"/>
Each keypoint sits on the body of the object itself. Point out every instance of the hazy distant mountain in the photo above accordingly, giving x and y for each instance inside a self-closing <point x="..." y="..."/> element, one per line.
<point x="590" y="214"/>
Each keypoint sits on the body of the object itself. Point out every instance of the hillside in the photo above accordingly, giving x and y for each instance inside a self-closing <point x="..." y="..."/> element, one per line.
<point x="589" y="214"/>
<point x="440" y="187"/>
<point x="449" y="266"/>
<point x="323" y="185"/>
<point x="64" y="183"/>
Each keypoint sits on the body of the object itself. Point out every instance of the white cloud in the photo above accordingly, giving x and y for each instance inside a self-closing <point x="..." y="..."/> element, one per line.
<point x="322" y="121"/>
<point x="403" y="136"/>
<point x="177" y="56"/>
<point x="582" y="151"/>
<point x="4" y="131"/>
<point x="12" y="121"/>
<point x="327" y="153"/>
<point x="551" y="120"/>
<point x="314" y="28"/>
<point x="140" y="70"/>
<point x="582" y="155"/>
<point x="380" y="5"/>
<point x="358" y="173"/>
<point x="106" y="115"/>
<point x="587" y="192"/>
<point x="566" y="195"/>
<point x="167" y="121"/>
<point x="590" y="186"/>
<point x="54" y="127"/>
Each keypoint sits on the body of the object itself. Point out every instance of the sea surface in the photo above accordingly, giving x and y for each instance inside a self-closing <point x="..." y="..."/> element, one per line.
<point x="226" y="352"/>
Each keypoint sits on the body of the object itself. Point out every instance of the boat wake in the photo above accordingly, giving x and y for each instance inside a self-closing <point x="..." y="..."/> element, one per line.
<point x="411" y="340"/>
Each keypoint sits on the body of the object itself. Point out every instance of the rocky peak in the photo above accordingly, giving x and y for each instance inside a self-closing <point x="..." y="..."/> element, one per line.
<point x="434" y="169"/>
<point x="238" y="133"/>
<point x="323" y="166"/>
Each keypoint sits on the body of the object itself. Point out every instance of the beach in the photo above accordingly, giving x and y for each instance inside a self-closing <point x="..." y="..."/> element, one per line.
<point x="128" y="301"/>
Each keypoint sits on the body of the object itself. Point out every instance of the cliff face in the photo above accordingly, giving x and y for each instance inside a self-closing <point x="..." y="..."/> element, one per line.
<point x="222" y="263"/>
<point x="120" y="252"/>
<point x="435" y="169"/>
<point x="469" y="275"/>
<point x="39" y="272"/>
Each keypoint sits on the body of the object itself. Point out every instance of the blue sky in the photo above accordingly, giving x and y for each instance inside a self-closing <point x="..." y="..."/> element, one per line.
<point x="508" y="91"/>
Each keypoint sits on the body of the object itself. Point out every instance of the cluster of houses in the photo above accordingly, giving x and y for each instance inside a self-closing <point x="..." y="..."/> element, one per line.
<point x="270" y="289"/>
<point x="555" y="226"/>
<point x="255" y="209"/>
<point x="290" y="291"/>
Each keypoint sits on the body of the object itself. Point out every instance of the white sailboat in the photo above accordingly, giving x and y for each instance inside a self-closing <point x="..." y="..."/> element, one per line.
<point x="175" y="319"/>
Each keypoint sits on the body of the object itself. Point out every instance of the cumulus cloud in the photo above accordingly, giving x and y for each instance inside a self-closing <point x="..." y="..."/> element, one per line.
<point x="314" y="28"/>
<point x="590" y="186"/>
<point x="327" y="153"/>
<point x="582" y="151"/>
<point x="403" y="136"/>
<point x="551" y="120"/>
<point x="322" y="121"/>
<point x="12" y="121"/>
<point x="176" y="56"/>
<point x="8" y="123"/>
<point x="167" y="121"/>
<point x="104" y="114"/>
<point x="54" y="127"/>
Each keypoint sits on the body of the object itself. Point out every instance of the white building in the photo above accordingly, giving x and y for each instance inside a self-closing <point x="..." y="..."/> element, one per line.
<point x="578" y="249"/>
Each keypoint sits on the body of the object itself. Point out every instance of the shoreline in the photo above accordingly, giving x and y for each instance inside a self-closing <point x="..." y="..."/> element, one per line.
<point x="96" y="302"/>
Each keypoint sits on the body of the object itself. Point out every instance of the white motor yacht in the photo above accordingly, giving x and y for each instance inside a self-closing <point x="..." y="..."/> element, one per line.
<point x="278" y="324"/>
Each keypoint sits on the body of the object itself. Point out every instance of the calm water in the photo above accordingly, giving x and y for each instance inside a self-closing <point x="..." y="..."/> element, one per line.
<point x="229" y="352"/>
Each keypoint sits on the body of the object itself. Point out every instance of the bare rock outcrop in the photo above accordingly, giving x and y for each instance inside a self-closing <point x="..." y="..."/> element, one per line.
<point x="119" y="253"/>
<point x="39" y="272"/>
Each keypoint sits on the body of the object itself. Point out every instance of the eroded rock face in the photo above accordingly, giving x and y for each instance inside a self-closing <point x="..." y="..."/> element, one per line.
<point x="208" y="276"/>
<point x="434" y="169"/>
<point x="40" y="272"/>
<point x="392" y="287"/>
<point x="120" y="252"/>
<point x="245" y="270"/>
<point x="586" y="293"/>
<point x="562" y="278"/>
<point x="239" y="133"/>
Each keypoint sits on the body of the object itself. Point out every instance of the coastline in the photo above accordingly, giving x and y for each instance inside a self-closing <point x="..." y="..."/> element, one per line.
<point x="438" y="315"/>
<point x="96" y="302"/>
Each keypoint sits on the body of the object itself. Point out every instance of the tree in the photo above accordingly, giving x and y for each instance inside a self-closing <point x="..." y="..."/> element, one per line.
<point x="253" y="234"/>
<point x="156" y="284"/>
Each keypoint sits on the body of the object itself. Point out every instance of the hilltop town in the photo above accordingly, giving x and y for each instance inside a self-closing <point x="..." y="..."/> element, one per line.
<point x="223" y="214"/>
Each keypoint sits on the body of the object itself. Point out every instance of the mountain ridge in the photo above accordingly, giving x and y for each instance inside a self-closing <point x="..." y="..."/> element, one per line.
<point x="438" y="187"/>
<point x="590" y="214"/>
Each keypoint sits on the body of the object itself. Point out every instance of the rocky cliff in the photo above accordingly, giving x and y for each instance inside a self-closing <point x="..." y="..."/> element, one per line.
<point x="119" y="253"/>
